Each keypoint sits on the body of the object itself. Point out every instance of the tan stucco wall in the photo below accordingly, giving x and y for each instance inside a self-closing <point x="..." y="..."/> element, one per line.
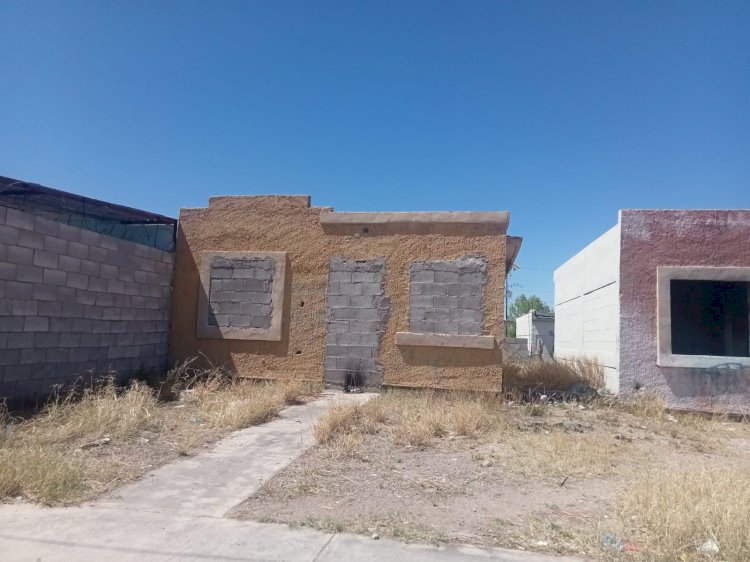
<point x="288" y="224"/>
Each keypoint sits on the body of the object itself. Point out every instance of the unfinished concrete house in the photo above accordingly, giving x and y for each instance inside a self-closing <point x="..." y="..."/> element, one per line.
<point x="661" y="301"/>
<point x="271" y="287"/>
<point x="85" y="289"/>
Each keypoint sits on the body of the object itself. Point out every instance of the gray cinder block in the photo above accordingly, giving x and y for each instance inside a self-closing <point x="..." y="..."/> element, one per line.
<point x="357" y="316"/>
<point x="68" y="296"/>
<point x="451" y="303"/>
<point x="240" y="292"/>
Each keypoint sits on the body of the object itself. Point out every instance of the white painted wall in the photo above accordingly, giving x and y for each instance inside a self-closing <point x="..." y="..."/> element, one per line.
<point x="537" y="331"/>
<point x="587" y="305"/>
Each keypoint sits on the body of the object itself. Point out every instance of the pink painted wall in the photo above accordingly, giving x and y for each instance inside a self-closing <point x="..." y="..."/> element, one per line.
<point x="656" y="238"/>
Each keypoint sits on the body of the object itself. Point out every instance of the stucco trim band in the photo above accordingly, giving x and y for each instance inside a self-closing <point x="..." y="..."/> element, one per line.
<point x="665" y="274"/>
<point x="440" y="222"/>
<point x="445" y="340"/>
<point x="273" y="332"/>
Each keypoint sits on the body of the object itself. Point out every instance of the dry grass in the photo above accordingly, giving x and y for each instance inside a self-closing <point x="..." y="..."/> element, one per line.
<point x="552" y="375"/>
<point x="41" y="458"/>
<point x="234" y="404"/>
<point x="40" y="473"/>
<point x="645" y="405"/>
<point x="413" y="418"/>
<point x="47" y="458"/>
<point x="449" y="464"/>
<point x="675" y="512"/>
<point x="554" y="455"/>
<point x="344" y="419"/>
<point x="102" y="410"/>
<point x="648" y="411"/>
<point x="229" y="402"/>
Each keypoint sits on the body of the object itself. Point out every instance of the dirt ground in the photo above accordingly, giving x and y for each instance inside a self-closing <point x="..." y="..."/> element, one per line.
<point x="546" y="478"/>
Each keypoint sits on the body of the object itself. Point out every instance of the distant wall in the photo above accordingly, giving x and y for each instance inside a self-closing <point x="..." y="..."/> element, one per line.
<point x="77" y="303"/>
<point x="651" y="239"/>
<point x="539" y="333"/>
<point x="515" y="350"/>
<point x="587" y="309"/>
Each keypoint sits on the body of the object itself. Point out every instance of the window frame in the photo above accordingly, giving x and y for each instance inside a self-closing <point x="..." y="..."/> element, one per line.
<point x="664" y="275"/>
<point x="273" y="332"/>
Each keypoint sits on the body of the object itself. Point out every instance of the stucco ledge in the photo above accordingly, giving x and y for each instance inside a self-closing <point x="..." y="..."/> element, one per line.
<point x="445" y="340"/>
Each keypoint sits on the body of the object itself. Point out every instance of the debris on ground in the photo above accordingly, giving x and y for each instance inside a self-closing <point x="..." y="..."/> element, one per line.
<point x="97" y="443"/>
<point x="709" y="547"/>
<point x="612" y="541"/>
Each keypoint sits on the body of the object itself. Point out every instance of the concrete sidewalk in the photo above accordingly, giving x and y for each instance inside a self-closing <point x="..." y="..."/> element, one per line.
<point x="177" y="512"/>
<point x="213" y="482"/>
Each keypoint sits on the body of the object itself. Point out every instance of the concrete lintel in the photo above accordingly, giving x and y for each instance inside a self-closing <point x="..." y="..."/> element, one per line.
<point x="449" y="222"/>
<point x="445" y="340"/>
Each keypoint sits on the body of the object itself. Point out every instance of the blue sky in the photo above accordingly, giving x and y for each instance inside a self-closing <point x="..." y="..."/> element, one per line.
<point x="560" y="112"/>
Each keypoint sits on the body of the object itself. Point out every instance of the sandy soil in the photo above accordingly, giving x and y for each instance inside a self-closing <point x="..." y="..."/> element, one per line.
<point x="529" y="487"/>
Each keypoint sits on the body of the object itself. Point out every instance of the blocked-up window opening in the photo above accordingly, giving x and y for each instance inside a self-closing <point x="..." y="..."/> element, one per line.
<point x="445" y="297"/>
<point x="240" y="293"/>
<point x="710" y="318"/>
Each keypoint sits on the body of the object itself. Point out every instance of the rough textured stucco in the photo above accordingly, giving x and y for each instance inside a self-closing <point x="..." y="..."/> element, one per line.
<point x="75" y="303"/>
<point x="677" y="238"/>
<point x="288" y="224"/>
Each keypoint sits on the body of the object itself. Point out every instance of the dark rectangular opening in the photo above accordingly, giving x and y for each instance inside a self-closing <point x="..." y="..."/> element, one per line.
<point x="710" y="318"/>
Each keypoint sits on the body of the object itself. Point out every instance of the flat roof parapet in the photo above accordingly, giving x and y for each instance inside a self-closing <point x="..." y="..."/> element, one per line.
<point x="433" y="222"/>
<point x="302" y="201"/>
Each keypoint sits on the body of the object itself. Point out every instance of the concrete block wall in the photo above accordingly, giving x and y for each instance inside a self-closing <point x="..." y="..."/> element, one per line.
<point x="240" y="294"/>
<point x="445" y="297"/>
<point x="357" y="318"/>
<point x="587" y="306"/>
<point x="516" y="349"/>
<point x="76" y="303"/>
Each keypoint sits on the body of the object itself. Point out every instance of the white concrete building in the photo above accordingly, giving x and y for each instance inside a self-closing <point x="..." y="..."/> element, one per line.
<point x="538" y="329"/>
<point x="587" y="306"/>
<point x="662" y="302"/>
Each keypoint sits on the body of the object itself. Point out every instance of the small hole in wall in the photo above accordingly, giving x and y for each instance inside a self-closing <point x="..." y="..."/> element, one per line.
<point x="365" y="230"/>
<point x="301" y="304"/>
<point x="297" y="351"/>
<point x="637" y="386"/>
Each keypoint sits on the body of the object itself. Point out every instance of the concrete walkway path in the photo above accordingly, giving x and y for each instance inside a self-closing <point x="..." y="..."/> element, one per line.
<point x="177" y="512"/>
<point x="213" y="482"/>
